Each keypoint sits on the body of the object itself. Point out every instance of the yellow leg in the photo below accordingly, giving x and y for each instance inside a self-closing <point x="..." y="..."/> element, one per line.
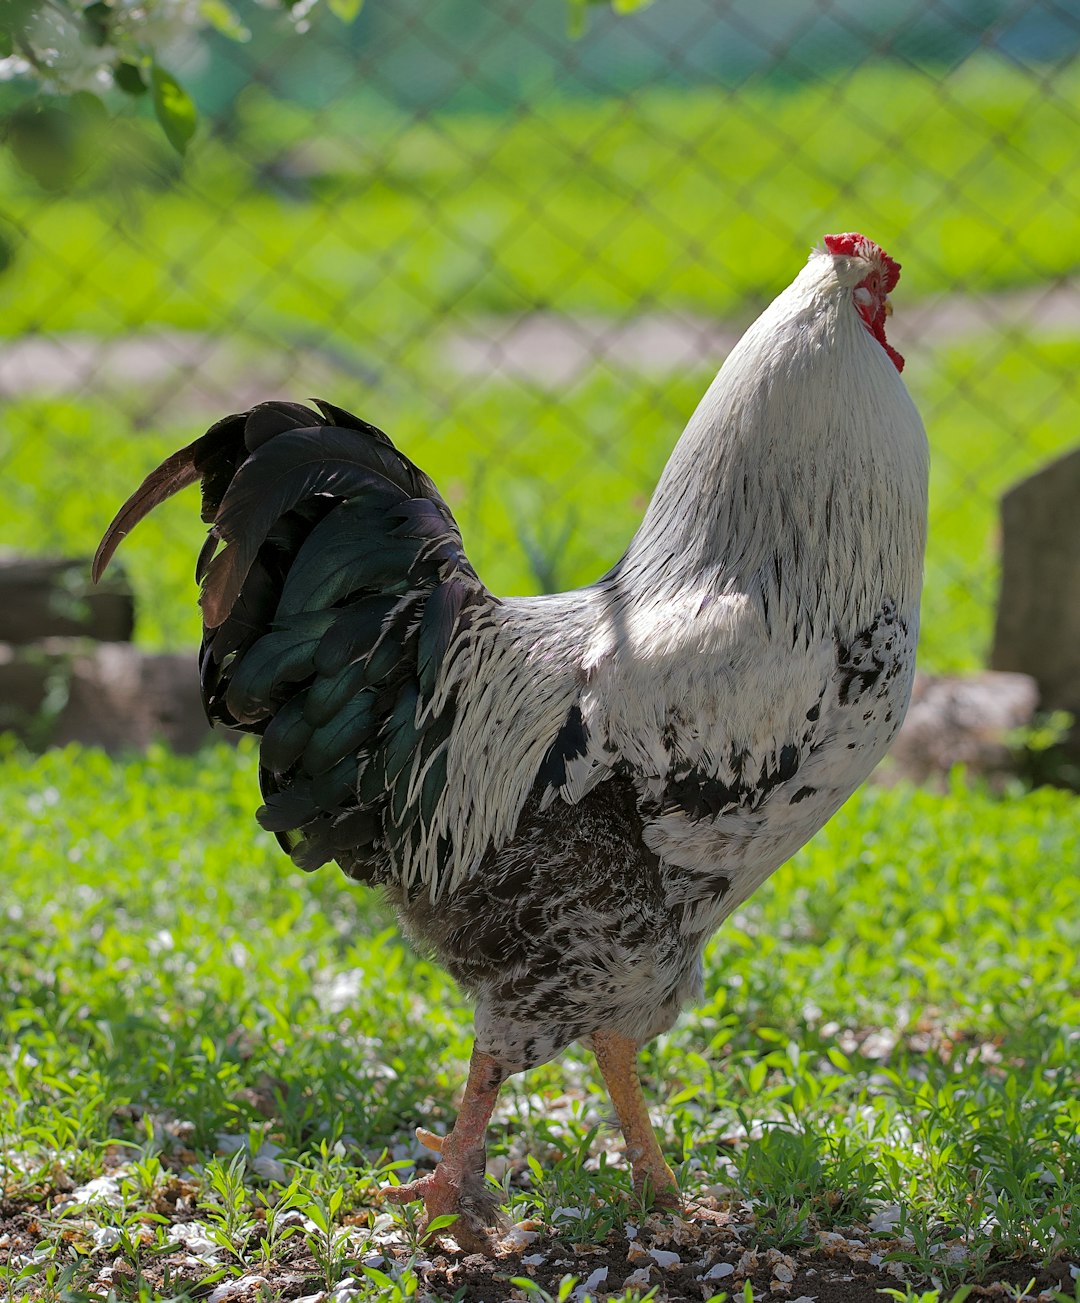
<point x="457" y="1185"/>
<point x="616" y="1057"/>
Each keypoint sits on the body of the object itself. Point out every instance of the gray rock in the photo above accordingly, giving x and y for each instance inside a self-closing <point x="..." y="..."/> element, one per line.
<point x="1038" y="615"/>
<point x="113" y="695"/>
<point x="122" y="697"/>
<point x="52" y="597"/>
<point x="970" y="721"/>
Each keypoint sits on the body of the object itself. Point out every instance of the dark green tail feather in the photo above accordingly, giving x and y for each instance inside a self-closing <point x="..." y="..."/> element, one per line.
<point x="334" y="581"/>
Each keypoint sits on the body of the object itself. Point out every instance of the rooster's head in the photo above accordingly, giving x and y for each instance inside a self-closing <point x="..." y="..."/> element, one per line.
<point x="872" y="274"/>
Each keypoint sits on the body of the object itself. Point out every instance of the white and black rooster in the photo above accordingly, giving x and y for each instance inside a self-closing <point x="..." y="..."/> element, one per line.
<point x="564" y="796"/>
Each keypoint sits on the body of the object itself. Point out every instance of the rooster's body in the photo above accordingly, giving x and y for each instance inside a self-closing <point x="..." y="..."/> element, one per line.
<point x="564" y="796"/>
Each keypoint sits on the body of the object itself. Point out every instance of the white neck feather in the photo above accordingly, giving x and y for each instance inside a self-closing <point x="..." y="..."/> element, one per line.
<point x="800" y="479"/>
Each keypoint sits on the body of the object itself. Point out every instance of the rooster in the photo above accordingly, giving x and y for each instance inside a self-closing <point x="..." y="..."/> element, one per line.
<point x="564" y="796"/>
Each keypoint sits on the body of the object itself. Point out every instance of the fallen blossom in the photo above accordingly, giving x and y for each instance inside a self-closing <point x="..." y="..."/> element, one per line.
<point x="682" y="1232"/>
<point x="885" y="1219"/>
<point x="953" y="1254"/>
<point x="518" y="1237"/>
<point x="638" y="1279"/>
<point x="102" y="1189"/>
<point x="589" y="1285"/>
<point x="664" y="1259"/>
<point x="231" y="1288"/>
<point x="193" y="1237"/>
<point x="747" y="1264"/>
<point x="718" y="1271"/>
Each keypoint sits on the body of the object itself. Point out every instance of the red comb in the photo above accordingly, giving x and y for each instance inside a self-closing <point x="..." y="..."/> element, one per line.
<point x="854" y="245"/>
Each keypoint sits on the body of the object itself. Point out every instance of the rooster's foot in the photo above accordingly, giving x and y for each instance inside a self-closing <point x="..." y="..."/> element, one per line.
<point x="654" y="1181"/>
<point x="455" y="1189"/>
<point x="655" y="1186"/>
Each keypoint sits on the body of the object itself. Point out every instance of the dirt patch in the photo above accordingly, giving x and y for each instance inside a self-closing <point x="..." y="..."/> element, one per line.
<point x="686" y="1259"/>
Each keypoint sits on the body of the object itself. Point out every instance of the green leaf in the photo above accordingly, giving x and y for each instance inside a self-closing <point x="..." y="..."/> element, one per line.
<point x="7" y="46"/>
<point x="86" y="104"/>
<point x="629" y="6"/>
<point x="97" y="17"/>
<point x="346" y="10"/>
<point x="223" y="19"/>
<point x="174" y="108"/>
<point x="44" y="142"/>
<point x="129" y="78"/>
<point x="755" y="1078"/>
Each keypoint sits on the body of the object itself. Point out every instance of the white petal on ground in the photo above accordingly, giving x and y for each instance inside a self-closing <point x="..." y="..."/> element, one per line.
<point x="566" y="1214"/>
<point x="517" y="1238"/>
<point x="664" y="1259"/>
<point x="637" y="1279"/>
<point x="589" y="1286"/>
<point x="235" y="1288"/>
<point x="885" y="1219"/>
<point x="718" y="1271"/>
<point x="102" y="1189"/>
<point x="194" y="1237"/>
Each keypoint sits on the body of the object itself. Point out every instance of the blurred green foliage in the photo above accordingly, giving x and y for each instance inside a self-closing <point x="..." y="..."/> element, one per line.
<point x="364" y="237"/>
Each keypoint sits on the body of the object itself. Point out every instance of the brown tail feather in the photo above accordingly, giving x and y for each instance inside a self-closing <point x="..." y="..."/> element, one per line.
<point x="174" y="473"/>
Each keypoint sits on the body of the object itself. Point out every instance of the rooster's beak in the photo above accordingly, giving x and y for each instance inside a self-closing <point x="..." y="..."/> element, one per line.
<point x="888" y="306"/>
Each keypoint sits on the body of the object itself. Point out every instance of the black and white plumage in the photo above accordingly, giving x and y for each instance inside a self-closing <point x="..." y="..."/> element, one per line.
<point x="564" y="796"/>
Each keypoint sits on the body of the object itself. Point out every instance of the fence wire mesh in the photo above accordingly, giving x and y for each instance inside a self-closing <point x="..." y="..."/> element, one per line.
<point x="524" y="252"/>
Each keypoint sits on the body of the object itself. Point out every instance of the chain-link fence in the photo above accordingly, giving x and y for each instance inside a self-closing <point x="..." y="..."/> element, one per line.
<point x="524" y="252"/>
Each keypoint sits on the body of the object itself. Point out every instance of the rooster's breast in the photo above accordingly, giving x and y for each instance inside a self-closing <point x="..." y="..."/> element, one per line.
<point x="765" y="794"/>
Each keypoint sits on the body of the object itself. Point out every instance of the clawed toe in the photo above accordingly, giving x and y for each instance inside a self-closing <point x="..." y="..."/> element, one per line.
<point x="450" y="1191"/>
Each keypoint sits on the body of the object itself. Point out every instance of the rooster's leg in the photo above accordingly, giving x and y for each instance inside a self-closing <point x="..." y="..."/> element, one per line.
<point x="457" y="1186"/>
<point x="617" y="1059"/>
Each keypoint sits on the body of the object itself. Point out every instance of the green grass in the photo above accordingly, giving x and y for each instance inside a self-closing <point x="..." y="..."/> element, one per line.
<point x="890" y="1023"/>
